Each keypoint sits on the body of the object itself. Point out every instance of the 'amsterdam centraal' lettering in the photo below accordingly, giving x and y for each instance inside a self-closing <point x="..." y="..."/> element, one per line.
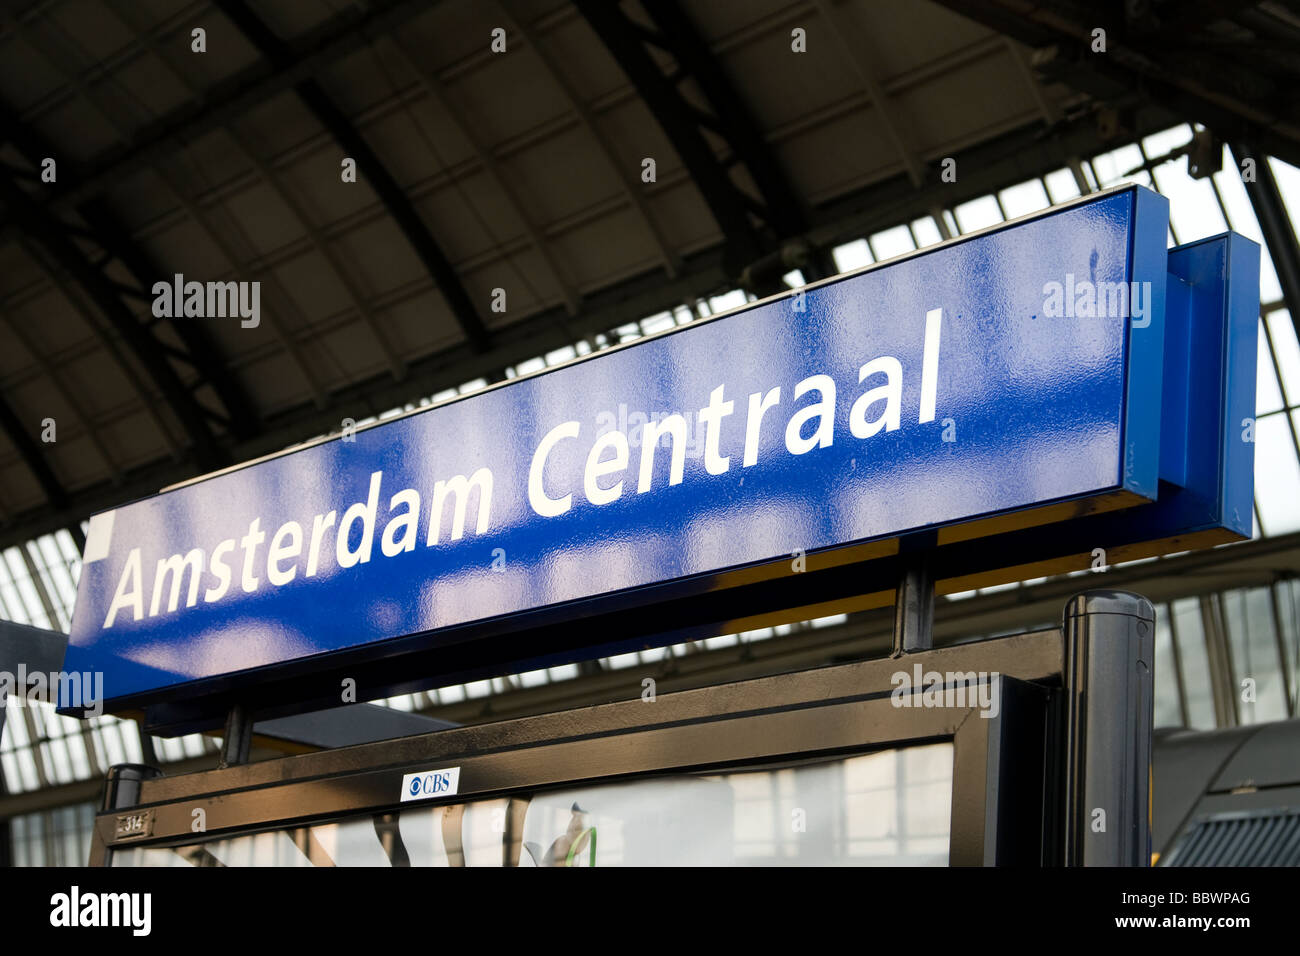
<point x="812" y="416"/>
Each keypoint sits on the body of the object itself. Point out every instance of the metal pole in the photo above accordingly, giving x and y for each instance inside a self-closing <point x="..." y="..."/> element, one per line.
<point x="914" y="606"/>
<point x="238" y="739"/>
<point x="1109" y="703"/>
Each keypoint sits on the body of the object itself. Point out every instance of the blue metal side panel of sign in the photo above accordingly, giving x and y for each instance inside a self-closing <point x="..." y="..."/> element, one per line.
<point x="1146" y="344"/>
<point x="1206" y="438"/>
<point x="972" y="380"/>
<point x="1208" y="461"/>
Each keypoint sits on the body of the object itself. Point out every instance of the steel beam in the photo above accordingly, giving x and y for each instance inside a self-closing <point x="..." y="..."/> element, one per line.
<point x="232" y="98"/>
<point x="1275" y="225"/>
<point x="37" y="223"/>
<point x="1199" y="76"/>
<point x="200" y="350"/>
<point x="784" y="209"/>
<point x="281" y="56"/>
<point x="29" y="449"/>
<point x="628" y="182"/>
<point x="107" y="232"/>
<point x="680" y="123"/>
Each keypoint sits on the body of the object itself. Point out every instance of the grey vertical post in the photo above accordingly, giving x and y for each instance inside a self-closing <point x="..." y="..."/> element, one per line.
<point x="914" y="606"/>
<point x="239" y="737"/>
<point x="122" y="785"/>
<point x="1109" y="688"/>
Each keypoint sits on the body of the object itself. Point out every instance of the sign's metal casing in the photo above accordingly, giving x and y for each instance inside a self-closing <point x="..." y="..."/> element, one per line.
<point x="1010" y="417"/>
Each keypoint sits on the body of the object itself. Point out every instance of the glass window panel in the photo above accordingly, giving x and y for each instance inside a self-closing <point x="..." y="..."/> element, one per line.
<point x="151" y="857"/>
<point x="1288" y="184"/>
<point x="16" y="725"/>
<point x="892" y="242"/>
<point x="926" y="232"/>
<point x="657" y="323"/>
<point x="276" y="848"/>
<point x="1023" y="199"/>
<point x="77" y="753"/>
<point x="1168" y="713"/>
<point x="887" y="808"/>
<point x="451" y="695"/>
<point x="731" y="300"/>
<point x="552" y="358"/>
<point x="1287" y="351"/>
<point x="977" y="214"/>
<point x="1113" y="167"/>
<point x="852" y="255"/>
<point x="13" y="776"/>
<point x="28" y="778"/>
<point x="1061" y="185"/>
<point x="1288" y="608"/>
<point x="1166" y="141"/>
<point x="351" y="843"/>
<point x="59" y="765"/>
<point x="1242" y="218"/>
<point x="131" y="741"/>
<point x="1251" y="636"/>
<point x="1277" y="476"/>
<point x="112" y="737"/>
<point x="1196" y="667"/>
<point x="1268" y="396"/>
<point x="168" y="748"/>
<point x="1193" y="211"/>
<point x="97" y="741"/>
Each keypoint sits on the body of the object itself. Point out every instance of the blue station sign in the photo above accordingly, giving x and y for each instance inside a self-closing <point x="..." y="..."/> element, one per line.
<point x="1008" y="379"/>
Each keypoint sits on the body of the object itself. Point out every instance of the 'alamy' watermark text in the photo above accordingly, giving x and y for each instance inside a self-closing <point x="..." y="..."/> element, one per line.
<point x="208" y="300"/>
<point x="946" y="689"/>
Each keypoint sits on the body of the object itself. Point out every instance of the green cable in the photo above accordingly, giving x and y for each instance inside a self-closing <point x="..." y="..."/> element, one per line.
<point x="568" y="860"/>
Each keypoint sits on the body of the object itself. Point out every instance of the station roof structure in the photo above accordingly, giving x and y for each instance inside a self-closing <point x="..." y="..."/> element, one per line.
<point x="790" y="141"/>
<point x="516" y="161"/>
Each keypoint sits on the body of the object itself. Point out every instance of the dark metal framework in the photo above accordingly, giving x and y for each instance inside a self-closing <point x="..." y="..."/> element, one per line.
<point x="389" y="191"/>
<point x="29" y="449"/>
<point x="828" y="713"/>
<point x="348" y="30"/>
<point x="752" y="255"/>
<point x="1232" y="66"/>
<point x="990" y="166"/>
<point x="1068" y="736"/>
<point x="99" y="228"/>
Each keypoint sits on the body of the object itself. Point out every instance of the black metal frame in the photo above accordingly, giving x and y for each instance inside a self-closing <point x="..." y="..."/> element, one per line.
<point x="999" y="781"/>
<point x="390" y="193"/>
